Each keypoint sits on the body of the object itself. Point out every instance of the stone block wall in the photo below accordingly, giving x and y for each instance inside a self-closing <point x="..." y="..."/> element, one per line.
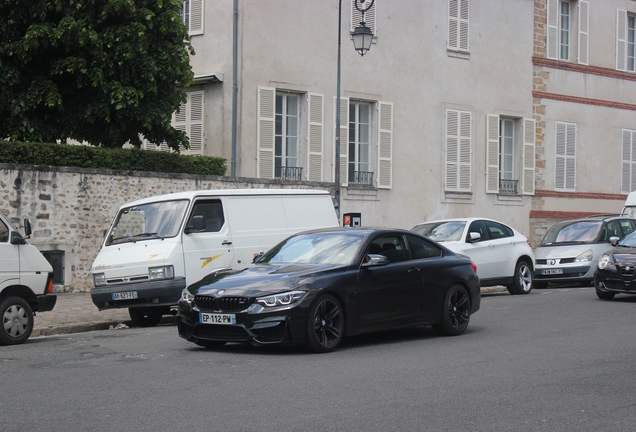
<point x="69" y="208"/>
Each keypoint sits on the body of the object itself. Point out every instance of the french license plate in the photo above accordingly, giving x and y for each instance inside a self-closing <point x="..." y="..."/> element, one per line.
<point x="552" y="271"/>
<point x="209" y="318"/>
<point x="129" y="295"/>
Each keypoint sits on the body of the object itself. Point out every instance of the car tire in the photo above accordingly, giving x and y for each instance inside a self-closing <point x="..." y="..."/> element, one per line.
<point x="522" y="280"/>
<point x="604" y="295"/>
<point x="456" y="312"/>
<point x="145" y="317"/>
<point x="210" y="343"/>
<point x="17" y="321"/>
<point x="325" y="324"/>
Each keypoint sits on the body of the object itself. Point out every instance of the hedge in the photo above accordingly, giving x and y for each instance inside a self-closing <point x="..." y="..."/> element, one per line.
<point x="83" y="156"/>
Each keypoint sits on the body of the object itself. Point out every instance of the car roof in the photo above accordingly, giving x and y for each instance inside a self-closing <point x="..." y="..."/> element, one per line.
<point x="599" y="218"/>
<point x="465" y="219"/>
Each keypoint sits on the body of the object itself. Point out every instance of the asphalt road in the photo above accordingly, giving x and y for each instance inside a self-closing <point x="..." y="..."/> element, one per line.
<point x="553" y="360"/>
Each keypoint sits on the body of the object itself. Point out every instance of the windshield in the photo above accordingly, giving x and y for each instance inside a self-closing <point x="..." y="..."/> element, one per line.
<point x="148" y="221"/>
<point x="315" y="248"/>
<point x="572" y="232"/>
<point x="442" y="231"/>
<point x="629" y="240"/>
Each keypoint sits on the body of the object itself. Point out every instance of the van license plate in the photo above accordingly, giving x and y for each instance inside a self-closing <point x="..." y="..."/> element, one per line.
<point x="552" y="271"/>
<point x="125" y="295"/>
<point x="225" y="319"/>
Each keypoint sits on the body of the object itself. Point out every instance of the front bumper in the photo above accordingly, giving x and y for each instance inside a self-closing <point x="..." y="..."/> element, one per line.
<point x="46" y="302"/>
<point x="281" y="327"/>
<point x="153" y="293"/>
<point x="614" y="282"/>
<point x="576" y="273"/>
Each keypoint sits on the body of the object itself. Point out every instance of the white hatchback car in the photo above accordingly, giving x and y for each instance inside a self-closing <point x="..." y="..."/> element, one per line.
<point x="503" y="255"/>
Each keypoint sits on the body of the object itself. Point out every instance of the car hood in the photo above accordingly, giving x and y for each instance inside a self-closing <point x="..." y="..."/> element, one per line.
<point x="625" y="256"/>
<point x="568" y="251"/>
<point x="261" y="279"/>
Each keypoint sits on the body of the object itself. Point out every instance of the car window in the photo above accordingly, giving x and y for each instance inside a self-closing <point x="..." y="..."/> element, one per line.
<point x="441" y="231"/>
<point x="497" y="230"/>
<point x="478" y="227"/>
<point x="627" y="226"/>
<point x="420" y="248"/>
<point x="391" y="246"/>
<point x="573" y="232"/>
<point x="609" y="230"/>
<point x="4" y="232"/>
<point x="629" y="240"/>
<point x="210" y="213"/>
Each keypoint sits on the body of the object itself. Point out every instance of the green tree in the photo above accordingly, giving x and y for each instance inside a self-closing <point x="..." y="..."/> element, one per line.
<point x="101" y="71"/>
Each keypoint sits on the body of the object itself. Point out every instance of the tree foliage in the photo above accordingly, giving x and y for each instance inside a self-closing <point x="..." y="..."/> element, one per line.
<point x="101" y="71"/>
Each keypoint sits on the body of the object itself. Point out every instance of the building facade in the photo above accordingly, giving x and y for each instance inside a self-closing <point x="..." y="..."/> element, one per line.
<point x="522" y="111"/>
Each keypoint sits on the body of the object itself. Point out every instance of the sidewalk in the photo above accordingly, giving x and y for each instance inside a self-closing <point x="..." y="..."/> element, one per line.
<point x="76" y="313"/>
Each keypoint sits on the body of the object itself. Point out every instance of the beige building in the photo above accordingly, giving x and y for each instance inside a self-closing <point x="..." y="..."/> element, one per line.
<point x="518" y="110"/>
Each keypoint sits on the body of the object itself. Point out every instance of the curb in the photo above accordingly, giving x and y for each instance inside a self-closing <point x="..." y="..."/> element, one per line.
<point x="87" y="327"/>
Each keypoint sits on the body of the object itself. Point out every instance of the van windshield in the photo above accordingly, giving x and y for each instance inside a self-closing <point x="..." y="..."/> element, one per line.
<point x="147" y="221"/>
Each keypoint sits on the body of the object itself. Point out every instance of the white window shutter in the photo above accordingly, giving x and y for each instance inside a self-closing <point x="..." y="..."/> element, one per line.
<point x="196" y="17"/>
<point x="458" y="152"/>
<point x="528" y="162"/>
<point x="553" y="29"/>
<point x="195" y="122"/>
<point x="315" y="136"/>
<point x="458" y="28"/>
<point x="369" y="16"/>
<point x="565" y="169"/>
<point x="584" y="32"/>
<point x="385" y="145"/>
<point x="559" y="177"/>
<point x="344" y="139"/>
<point x="621" y="39"/>
<point x="492" y="153"/>
<point x="627" y="162"/>
<point x="570" y="178"/>
<point x="265" y="132"/>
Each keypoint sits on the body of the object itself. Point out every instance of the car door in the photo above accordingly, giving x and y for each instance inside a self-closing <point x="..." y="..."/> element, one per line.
<point x="428" y="258"/>
<point x="384" y="295"/>
<point x="501" y="250"/>
<point x="481" y="250"/>
<point x="207" y="241"/>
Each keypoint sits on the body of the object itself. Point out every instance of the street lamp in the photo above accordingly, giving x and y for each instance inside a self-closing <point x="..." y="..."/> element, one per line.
<point x="362" y="38"/>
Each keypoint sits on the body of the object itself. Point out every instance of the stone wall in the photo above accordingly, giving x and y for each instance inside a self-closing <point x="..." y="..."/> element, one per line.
<point x="69" y="208"/>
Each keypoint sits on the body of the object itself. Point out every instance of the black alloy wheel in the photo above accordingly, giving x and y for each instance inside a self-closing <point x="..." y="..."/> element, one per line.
<point x="456" y="313"/>
<point x="325" y="324"/>
<point x="146" y="317"/>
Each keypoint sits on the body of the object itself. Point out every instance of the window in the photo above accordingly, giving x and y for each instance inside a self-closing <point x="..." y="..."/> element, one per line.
<point x="421" y="248"/>
<point x="192" y="16"/>
<point x="497" y="230"/>
<point x="510" y="155"/>
<point x="458" y="152"/>
<point x="565" y="170"/>
<point x="361" y="123"/>
<point x="360" y="143"/>
<point x="4" y="232"/>
<point x="286" y="137"/>
<point x="207" y="216"/>
<point x="628" y="165"/>
<point x="282" y="150"/>
<point x="392" y="247"/>
<point x="458" y="14"/>
<point x="563" y="27"/>
<point x="625" y="40"/>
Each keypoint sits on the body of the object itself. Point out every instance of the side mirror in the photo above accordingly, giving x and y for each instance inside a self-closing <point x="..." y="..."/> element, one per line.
<point x="372" y="260"/>
<point x="196" y="224"/>
<point x="17" y="239"/>
<point x="614" y="240"/>
<point x="473" y="237"/>
<point x="27" y="228"/>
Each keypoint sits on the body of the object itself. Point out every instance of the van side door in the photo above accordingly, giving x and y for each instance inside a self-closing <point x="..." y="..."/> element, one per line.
<point x="207" y="239"/>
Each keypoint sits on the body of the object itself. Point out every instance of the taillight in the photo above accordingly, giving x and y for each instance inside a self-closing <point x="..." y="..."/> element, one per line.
<point x="473" y="266"/>
<point x="529" y="244"/>
<point x="49" y="284"/>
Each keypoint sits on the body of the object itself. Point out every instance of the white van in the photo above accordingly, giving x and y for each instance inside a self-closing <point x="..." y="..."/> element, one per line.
<point x="26" y="283"/>
<point x="157" y="246"/>
<point x="629" y="209"/>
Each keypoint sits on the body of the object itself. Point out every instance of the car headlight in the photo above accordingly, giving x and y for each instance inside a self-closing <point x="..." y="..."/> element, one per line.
<point x="186" y="296"/>
<point x="282" y="299"/>
<point x="585" y="256"/>
<point x="99" y="279"/>
<point x="163" y="272"/>
<point x="606" y="262"/>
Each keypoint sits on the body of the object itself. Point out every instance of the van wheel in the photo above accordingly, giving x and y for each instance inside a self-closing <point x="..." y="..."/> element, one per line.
<point x="522" y="280"/>
<point x="145" y="317"/>
<point x="17" y="321"/>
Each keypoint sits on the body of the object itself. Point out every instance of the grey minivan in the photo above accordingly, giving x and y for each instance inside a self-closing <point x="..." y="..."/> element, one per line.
<point x="570" y="249"/>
